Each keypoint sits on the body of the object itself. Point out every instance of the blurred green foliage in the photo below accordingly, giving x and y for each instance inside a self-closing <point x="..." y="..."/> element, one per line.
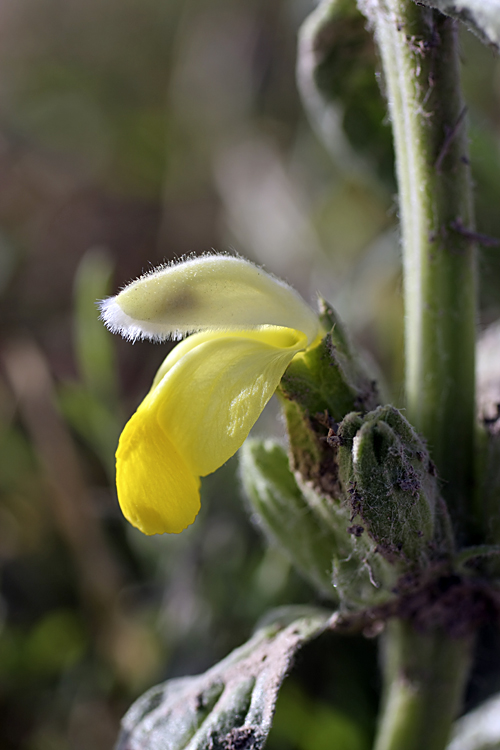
<point x="133" y="132"/>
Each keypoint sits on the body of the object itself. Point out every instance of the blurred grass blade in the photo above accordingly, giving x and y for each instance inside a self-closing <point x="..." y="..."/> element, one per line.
<point x="92" y="420"/>
<point x="230" y="706"/>
<point x="31" y="382"/>
<point x="94" y="348"/>
<point x="92" y="405"/>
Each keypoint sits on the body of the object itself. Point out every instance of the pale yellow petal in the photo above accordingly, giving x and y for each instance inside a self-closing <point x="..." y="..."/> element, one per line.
<point x="182" y="348"/>
<point x="213" y="394"/>
<point x="157" y="490"/>
<point x="212" y="292"/>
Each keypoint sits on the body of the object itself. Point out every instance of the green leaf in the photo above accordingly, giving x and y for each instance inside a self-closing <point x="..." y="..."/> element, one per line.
<point x="93" y="420"/>
<point x="482" y="17"/>
<point x="317" y="534"/>
<point x="479" y="729"/>
<point x="231" y="706"/>
<point x="337" y="82"/>
<point x="284" y="515"/>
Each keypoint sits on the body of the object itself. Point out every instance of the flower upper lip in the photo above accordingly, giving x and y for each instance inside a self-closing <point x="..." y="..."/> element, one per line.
<point x="212" y="292"/>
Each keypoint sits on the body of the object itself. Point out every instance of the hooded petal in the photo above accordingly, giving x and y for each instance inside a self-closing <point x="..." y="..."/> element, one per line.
<point x="212" y="292"/>
<point x="157" y="490"/>
<point x="215" y="386"/>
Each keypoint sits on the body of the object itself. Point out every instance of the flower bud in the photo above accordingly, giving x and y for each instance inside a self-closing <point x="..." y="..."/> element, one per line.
<point x="391" y="485"/>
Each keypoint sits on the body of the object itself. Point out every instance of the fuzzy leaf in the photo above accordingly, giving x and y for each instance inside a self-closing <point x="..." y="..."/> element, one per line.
<point x="231" y="706"/>
<point x="488" y="438"/>
<point x="336" y="79"/>
<point x="284" y="515"/>
<point x="479" y="729"/>
<point x="480" y="16"/>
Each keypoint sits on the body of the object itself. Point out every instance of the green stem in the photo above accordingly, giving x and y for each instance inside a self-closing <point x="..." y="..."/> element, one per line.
<point x="426" y="672"/>
<point x="419" y="52"/>
<point x="425" y="676"/>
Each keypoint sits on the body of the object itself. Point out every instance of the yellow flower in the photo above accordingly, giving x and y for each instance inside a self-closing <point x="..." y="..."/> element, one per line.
<point x="211" y="388"/>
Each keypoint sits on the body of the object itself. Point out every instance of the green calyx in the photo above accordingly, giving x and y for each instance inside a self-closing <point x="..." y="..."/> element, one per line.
<point x="318" y="389"/>
<point x="356" y="505"/>
<point x="391" y="486"/>
<point x="313" y="531"/>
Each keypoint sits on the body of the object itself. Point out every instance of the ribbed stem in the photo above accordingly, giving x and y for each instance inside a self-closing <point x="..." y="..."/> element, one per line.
<point x="425" y="676"/>
<point x="426" y="672"/>
<point x="419" y="52"/>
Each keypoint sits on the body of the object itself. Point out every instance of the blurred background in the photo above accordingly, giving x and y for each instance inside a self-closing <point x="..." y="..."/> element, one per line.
<point x="133" y="132"/>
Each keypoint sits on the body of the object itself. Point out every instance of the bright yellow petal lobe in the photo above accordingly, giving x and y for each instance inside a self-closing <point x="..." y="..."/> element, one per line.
<point x="215" y="388"/>
<point x="158" y="492"/>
